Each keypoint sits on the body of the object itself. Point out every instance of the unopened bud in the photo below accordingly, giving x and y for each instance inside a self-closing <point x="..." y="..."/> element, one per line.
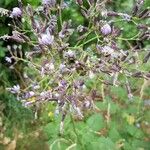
<point x="16" y="12"/>
<point x="80" y="2"/>
<point x="106" y="29"/>
<point x="49" y="2"/>
<point x="46" y="39"/>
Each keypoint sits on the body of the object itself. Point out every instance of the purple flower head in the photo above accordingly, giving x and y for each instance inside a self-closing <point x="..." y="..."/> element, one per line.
<point x="79" y="2"/>
<point x="70" y="54"/>
<point x="63" y="68"/>
<point x="49" y="2"/>
<point x="29" y="94"/>
<point x="15" y="89"/>
<point x="16" y="12"/>
<point x="63" y="83"/>
<point x="46" y="39"/>
<point x="8" y="59"/>
<point x="106" y="50"/>
<point x="106" y="29"/>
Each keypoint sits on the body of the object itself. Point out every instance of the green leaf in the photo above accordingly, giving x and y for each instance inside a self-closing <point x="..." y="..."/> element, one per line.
<point x="96" y="122"/>
<point x="131" y="129"/>
<point x="33" y="2"/>
<point x="51" y="129"/>
<point x="89" y="83"/>
<point x="102" y="105"/>
<point x="2" y="51"/>
<point x="102" y="143"/>
<point x="114" y="134"/>
<point x="119" y="92"/>
<point x="140" y="144"/>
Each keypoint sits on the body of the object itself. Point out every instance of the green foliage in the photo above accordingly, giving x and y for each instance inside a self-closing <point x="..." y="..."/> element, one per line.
<point x="95" y="122"/>
<point x="94" y="132"/>
<point x="32" y="2"/>
<point x="114" y="126"/>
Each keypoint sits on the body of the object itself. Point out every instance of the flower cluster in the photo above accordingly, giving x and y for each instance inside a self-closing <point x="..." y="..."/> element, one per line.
<point x="62" y="62"/>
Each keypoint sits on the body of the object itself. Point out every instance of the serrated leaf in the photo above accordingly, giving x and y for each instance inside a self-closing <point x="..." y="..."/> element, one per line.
<point x="95" y="122"/>
<point x="114" y="134"/>
<point x="102" y="143"/>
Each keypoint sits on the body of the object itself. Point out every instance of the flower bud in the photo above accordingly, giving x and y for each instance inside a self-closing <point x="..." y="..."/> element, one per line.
<point x="8" y="59"/>
<point x="70" y="54"/>
<point x="49" y="2"/>
<point x="15" y="89"/>
<point x="106" y="50"/>
<point x="112" y="13"/>
<point x="16" y="12"/>
<point x="106" y="29"/>
<point x="46" y="39"/>
<point x="91" y="2"/>
<point x="80" y="2"/>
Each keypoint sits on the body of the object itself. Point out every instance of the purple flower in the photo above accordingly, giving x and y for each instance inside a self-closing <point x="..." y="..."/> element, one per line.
<point x="29" y="94"/>
<point x="70" y="54"/>
<point x="63" y="83"/>
<point x="46" y="39"/>
<point x="16" y="12"/>
<point x="49" y="2"/>
<point x="15" y="89"/>
<point x="79" y="2"/>
<point x="106" y="29"/>
<point x="107" y="50"/>
<point x="8" y="59"/>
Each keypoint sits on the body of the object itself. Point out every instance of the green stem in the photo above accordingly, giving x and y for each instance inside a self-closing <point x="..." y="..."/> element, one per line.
<point x="75" y="131"/>
<point x="60" y="13"/>
<point x="90" y="40"/>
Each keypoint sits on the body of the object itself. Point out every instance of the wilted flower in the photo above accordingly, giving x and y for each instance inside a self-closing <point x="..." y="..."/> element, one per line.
<point x="16" y="12"/>
<point x="46" y="39"/>
<point x="16" y="36"/>
<point x="106" y="29"/>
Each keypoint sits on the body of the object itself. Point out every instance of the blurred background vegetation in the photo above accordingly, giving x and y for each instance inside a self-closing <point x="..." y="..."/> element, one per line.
<point x="14" y="116"/>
